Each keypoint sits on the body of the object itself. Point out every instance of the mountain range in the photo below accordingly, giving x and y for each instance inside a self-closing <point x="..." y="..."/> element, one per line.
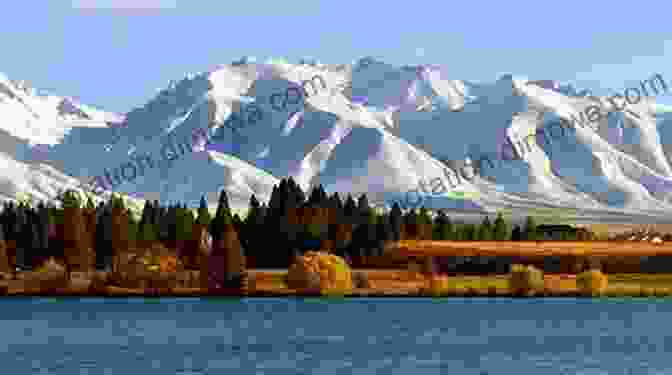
<point x="411" y="134"/>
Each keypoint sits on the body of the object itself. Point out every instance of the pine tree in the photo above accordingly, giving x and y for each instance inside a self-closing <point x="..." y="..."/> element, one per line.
<point x="237" y="223"/>
<point x="458" y="231"/>
<point x="337" y="203"/>
<point x="383" y="233"/>
<point x="396" y="221"/>
<point x="530" y="229"/>
<point x="314" y="198"/>
<point x="499" y="230"/>
<point x="146" y="234"/>
<point x="410" y="230"/>
<point x="44" y="224"/>
<point x="470" y="232"/>
<point x="341" y="232"/>
<point x="350" y="207"/>
<point x="224" y="267"/>
<point x="516" y="234"/>
<point x="133" y="228"/>
<point x="424" y="224"/>
<point x="119" y="228"/>
<point x="184" y="222"/>
<point x="156" y="216"/>
<point x="103" y="242"/>
<point x="4" y="255"/>
<point x="217" y="224"/>
<point x="26" y="239"/>
<point x="443" y="228"/>
<point x="252" y="226"/>
<point x="203" y="213"/>
<point x="78" y="256"/>
<point x="485" y="230"/>
<point x="364" y="236"/>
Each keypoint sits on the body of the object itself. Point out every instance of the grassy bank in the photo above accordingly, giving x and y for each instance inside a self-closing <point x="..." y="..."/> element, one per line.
<point x="383" y="283"/>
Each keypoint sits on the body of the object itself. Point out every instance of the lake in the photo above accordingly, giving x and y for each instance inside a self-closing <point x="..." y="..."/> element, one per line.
<point x="355" y="336"/>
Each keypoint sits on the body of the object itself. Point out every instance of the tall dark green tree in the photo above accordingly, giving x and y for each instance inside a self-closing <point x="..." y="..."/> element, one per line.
<point x="470" y="232"/>
<point x="349" y="208"/>
<point x="411" y="224"/>
<point x="237" y="223"/>
<point x="364" y="240"/>
<point x="252" y="226"/>
<point x="530" y="229"/>
<point x="396" y="220"/>
<point x="485" y="230"/>
<point x="383" y="233"/>
<point x="500" y="230"/>
<point x="516" y="234"/>
<point x="132" y="226"/>
<point x="103" y="240"/>
<point x="223" y="209"/>
<point x="424" y="224"/>
<point x="146" y="229"/>
<point x="203" y="213"/>
<point x="336" y="201"/>
<point x="443" y="227"/>
<point x="363" y="210"/>
<point x="43" y="230"/>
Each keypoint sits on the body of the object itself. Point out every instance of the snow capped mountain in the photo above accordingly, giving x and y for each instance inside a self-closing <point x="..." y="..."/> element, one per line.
<point x="413" y="134"/>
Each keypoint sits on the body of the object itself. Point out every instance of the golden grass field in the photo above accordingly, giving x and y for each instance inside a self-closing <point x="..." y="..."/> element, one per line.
<point x="529" y="248"/>
<point x="402" y="282"/>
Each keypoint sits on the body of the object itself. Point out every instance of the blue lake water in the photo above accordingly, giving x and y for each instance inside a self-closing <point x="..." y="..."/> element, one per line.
<point x="357" y="336"/>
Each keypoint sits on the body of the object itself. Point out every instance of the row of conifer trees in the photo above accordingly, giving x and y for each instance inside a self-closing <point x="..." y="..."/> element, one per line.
<point x="87" y="236"/>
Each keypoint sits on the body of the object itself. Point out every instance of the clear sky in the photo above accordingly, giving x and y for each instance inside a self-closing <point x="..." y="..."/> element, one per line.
<point x="114" y="54"/>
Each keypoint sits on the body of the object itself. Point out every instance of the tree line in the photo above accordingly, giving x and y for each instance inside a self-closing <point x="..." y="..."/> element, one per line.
<point x="85" y="236"/>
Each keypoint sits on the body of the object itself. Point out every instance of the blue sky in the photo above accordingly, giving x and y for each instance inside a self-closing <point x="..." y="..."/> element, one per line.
<point x="116" y="57"/>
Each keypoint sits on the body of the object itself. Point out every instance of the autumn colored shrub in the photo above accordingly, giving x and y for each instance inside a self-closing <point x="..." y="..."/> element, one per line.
<point x="320" y="272"/>
<point x="437" y="285"/>
<point x="592" y="282"/>
<point x="98" y="284"/>
<point x="647" y="292"/>
<point x="51" y="275"/>
<point x="360" y="280"/>
<point x="152" y="269"/>
<point x="525" y="280"/>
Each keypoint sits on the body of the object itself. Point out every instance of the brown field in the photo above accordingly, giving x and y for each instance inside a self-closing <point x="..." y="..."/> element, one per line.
<point x="529" y="248"/>
<point x="613" y="229"/>
<point x="399" y="282"/>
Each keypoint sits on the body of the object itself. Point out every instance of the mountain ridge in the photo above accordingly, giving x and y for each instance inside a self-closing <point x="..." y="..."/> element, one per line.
<point x="413" y="116"/>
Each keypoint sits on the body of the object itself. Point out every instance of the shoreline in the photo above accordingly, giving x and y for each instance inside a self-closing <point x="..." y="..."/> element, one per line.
<point x="368" y="293"/>
<point x="381" y="283"/>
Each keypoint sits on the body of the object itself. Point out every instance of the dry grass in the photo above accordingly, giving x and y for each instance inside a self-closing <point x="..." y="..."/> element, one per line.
<point x="528" y="248"/>
<point x="402" y="282"/>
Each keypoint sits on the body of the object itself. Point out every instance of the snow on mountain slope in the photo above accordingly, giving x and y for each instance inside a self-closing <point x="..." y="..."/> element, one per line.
<point x="417" y="126"/>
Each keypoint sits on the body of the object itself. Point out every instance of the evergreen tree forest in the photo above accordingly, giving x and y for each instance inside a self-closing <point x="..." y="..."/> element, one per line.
<point x="84" y="236"/>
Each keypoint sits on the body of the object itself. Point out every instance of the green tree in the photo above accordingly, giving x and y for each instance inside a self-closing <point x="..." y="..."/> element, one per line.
<point x="485" y="230"/>
<point x="383" y="233"/>
<point x="396" y="220"/>
<point x="411" y="224"/>
<point x="443" y="227"/>
<point x="530" y="229"/>
<point x="203" y="213"/>
<point x="216" y="224"/>
<point x="424" y="224"/>
<point x="132" y="226"/>
<point x="253" y="225"/>
<point x="500" y="230"/>
<point x="470" y="232"/>
<point x="516" y="234"/>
